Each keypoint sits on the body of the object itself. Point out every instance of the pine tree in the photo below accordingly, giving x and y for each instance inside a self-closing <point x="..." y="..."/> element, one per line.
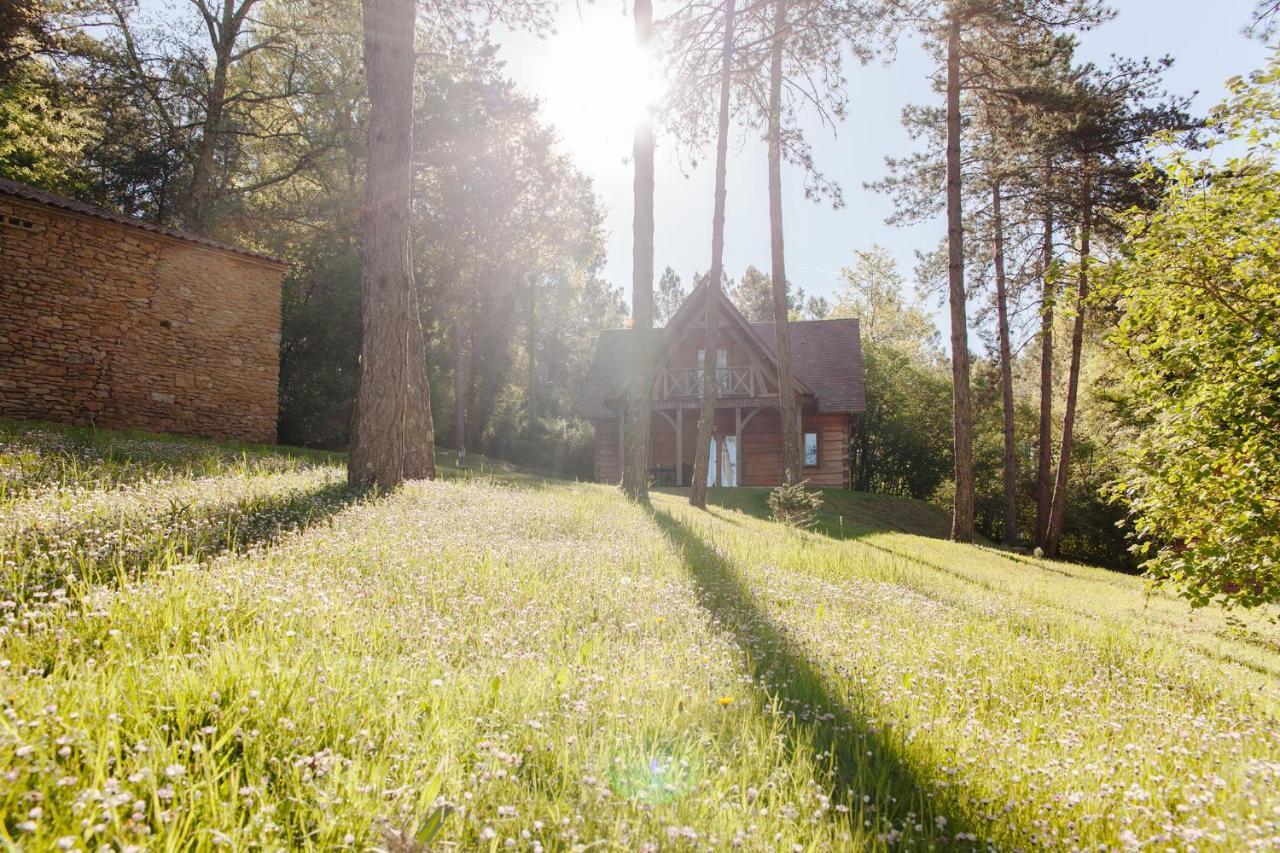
<point x="711" y="296"/>
<point x="669" y="296"/>
<point x="635" y="469"/>
<point x="392" y="438"/>
<point x="976" y="44"/>
<point x="1112" y="114"/>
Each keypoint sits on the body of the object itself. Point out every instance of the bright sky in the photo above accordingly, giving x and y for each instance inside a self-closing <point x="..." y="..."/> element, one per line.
<point x="580" y="73"/>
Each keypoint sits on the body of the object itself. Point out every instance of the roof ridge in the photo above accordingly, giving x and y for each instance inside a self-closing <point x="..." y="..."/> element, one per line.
<point x="26" y="192"/>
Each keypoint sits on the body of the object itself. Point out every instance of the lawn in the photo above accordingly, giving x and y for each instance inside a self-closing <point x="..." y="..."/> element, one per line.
<point x="218" y="644"/>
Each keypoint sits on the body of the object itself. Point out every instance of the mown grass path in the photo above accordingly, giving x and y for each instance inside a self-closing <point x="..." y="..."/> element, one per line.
<point x="493" y="662"/>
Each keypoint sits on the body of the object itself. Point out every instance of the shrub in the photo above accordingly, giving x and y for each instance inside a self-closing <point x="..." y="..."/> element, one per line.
<point x="796" y="505"/>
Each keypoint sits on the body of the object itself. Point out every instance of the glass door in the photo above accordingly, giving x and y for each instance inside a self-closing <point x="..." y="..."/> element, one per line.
<point x="723" y="459"/>
<point x="729" y="461"/>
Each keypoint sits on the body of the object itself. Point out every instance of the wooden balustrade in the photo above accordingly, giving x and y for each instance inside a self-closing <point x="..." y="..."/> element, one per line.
<point x="732" y="382"/>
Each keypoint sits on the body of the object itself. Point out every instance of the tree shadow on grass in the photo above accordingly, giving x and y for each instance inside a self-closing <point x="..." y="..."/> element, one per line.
<point x="38" y="560"/>
<point x="844" y="514"/>
<point x="864" y="762"/>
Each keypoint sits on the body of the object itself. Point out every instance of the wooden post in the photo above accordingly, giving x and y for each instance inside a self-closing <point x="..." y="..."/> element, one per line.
<point x="680" y="446"/>
<point x="737" y="445"/>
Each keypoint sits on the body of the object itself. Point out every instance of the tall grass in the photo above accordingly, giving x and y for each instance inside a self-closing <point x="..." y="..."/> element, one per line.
<point x="504" y="662"/>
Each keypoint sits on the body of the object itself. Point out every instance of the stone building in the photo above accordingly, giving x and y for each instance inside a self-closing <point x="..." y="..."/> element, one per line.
<point x="116" y="322"/>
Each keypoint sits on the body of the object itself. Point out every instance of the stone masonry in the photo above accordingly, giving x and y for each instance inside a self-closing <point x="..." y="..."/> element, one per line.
<point x="118" y="323"/>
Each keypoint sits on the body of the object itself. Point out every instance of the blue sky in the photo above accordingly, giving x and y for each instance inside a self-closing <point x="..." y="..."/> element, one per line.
<point x="574" y="72"/>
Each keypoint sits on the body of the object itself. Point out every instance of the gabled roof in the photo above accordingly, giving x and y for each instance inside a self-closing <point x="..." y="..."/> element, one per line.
<point x="692" y="311"/>
<point x="13" y="189"/>
<point x="826" y="356"/>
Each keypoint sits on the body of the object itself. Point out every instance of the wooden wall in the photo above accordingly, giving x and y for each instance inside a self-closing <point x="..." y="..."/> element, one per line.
<point x="761" y="446"/>
<point x="833" y="451"/>
<point x="608" y="458"/>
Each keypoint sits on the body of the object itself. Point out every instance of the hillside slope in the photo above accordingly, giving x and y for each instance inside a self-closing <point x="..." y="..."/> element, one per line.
<point x="220" y="645"/>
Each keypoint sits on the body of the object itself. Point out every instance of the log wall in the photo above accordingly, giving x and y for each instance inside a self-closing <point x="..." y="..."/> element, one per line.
<point x="761" y="446"/>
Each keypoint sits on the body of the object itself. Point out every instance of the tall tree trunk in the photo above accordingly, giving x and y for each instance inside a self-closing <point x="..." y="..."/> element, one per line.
<point x="791" y="461"/>
<point x="196" y="207"/>
<point x="1006" y="375"/>
<point x="459" y="388"/>
<point x="710" y="375"/>
<point x="224" y="25"/>
<point x="475" y="377"/>
<point x="1044" y="454"/>
<point x="196" y="213"/>
<point x="635" y="469"/>
<point x="961" y="411"/>
<point x="391" y="436"/>
<point x="419" y="431"/>
<point x="1054" y="536"/>
<point x="531" y="364"/>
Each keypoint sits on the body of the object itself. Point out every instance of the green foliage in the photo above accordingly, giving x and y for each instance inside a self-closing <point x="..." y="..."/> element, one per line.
<point x="753" y="296"/>
<point x="41" y="136"/>
<point x="668" y="296"/>
<point x="796" y="505"/>
<point x="903" y="445"/>
<point x="564" y="447"/>
<point x="320" y="345"/>
<point x="872" y="290"/>
<point x="1198" y="294"/>
<point x="1093" y="533"/>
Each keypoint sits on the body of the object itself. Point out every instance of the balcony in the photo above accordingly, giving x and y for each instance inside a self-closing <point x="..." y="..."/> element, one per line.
<point x="731" y="382"/>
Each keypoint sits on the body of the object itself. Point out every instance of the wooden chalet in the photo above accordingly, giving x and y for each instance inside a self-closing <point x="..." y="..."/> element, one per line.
<point x="746" y="440"/>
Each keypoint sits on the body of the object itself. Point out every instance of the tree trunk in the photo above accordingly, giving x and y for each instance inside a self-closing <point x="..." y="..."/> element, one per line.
<point x="710" y="376"/>
<point x="391" y="436"/>
<point x="1006" y="376"/>
<point x="962" y="414"/>
<point x="459" y="388"/>
<point x="1044" y="454"/>
<point x="635" y="469"/>
<point x="475" y="378"/>
<point x="195" y="215"/>
<point x="1053" y="537"/>
<point x="419" y="431"/>
<point x="531" y="374"/>
<point x="791" y="461"/>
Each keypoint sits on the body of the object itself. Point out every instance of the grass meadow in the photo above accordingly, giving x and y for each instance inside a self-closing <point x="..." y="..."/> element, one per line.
<point x="209" y="645"/>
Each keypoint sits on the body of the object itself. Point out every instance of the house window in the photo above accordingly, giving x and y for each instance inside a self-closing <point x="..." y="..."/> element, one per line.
<point x="811" y="450"/>
<point x="722" y="359"/>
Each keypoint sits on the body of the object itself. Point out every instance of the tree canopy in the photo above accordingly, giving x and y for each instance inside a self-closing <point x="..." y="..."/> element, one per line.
<point x="1197" y="291"/>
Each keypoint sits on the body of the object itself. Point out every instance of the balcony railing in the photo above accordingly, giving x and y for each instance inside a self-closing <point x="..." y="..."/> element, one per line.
<point x="731" y="382"/>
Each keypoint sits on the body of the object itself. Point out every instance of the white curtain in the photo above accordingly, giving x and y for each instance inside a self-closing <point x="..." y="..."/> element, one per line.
<point x="728" y="462"/>
<point x="724" y="458"/>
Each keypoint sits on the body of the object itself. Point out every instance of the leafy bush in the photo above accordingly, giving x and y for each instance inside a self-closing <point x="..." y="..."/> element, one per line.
<point x="1198" y="289"/>
<point x="903" y="443"/>
<point x="796" y="505"/>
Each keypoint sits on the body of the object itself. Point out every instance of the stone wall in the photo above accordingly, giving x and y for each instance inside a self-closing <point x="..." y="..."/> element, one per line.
<point x="107" y="324"/>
